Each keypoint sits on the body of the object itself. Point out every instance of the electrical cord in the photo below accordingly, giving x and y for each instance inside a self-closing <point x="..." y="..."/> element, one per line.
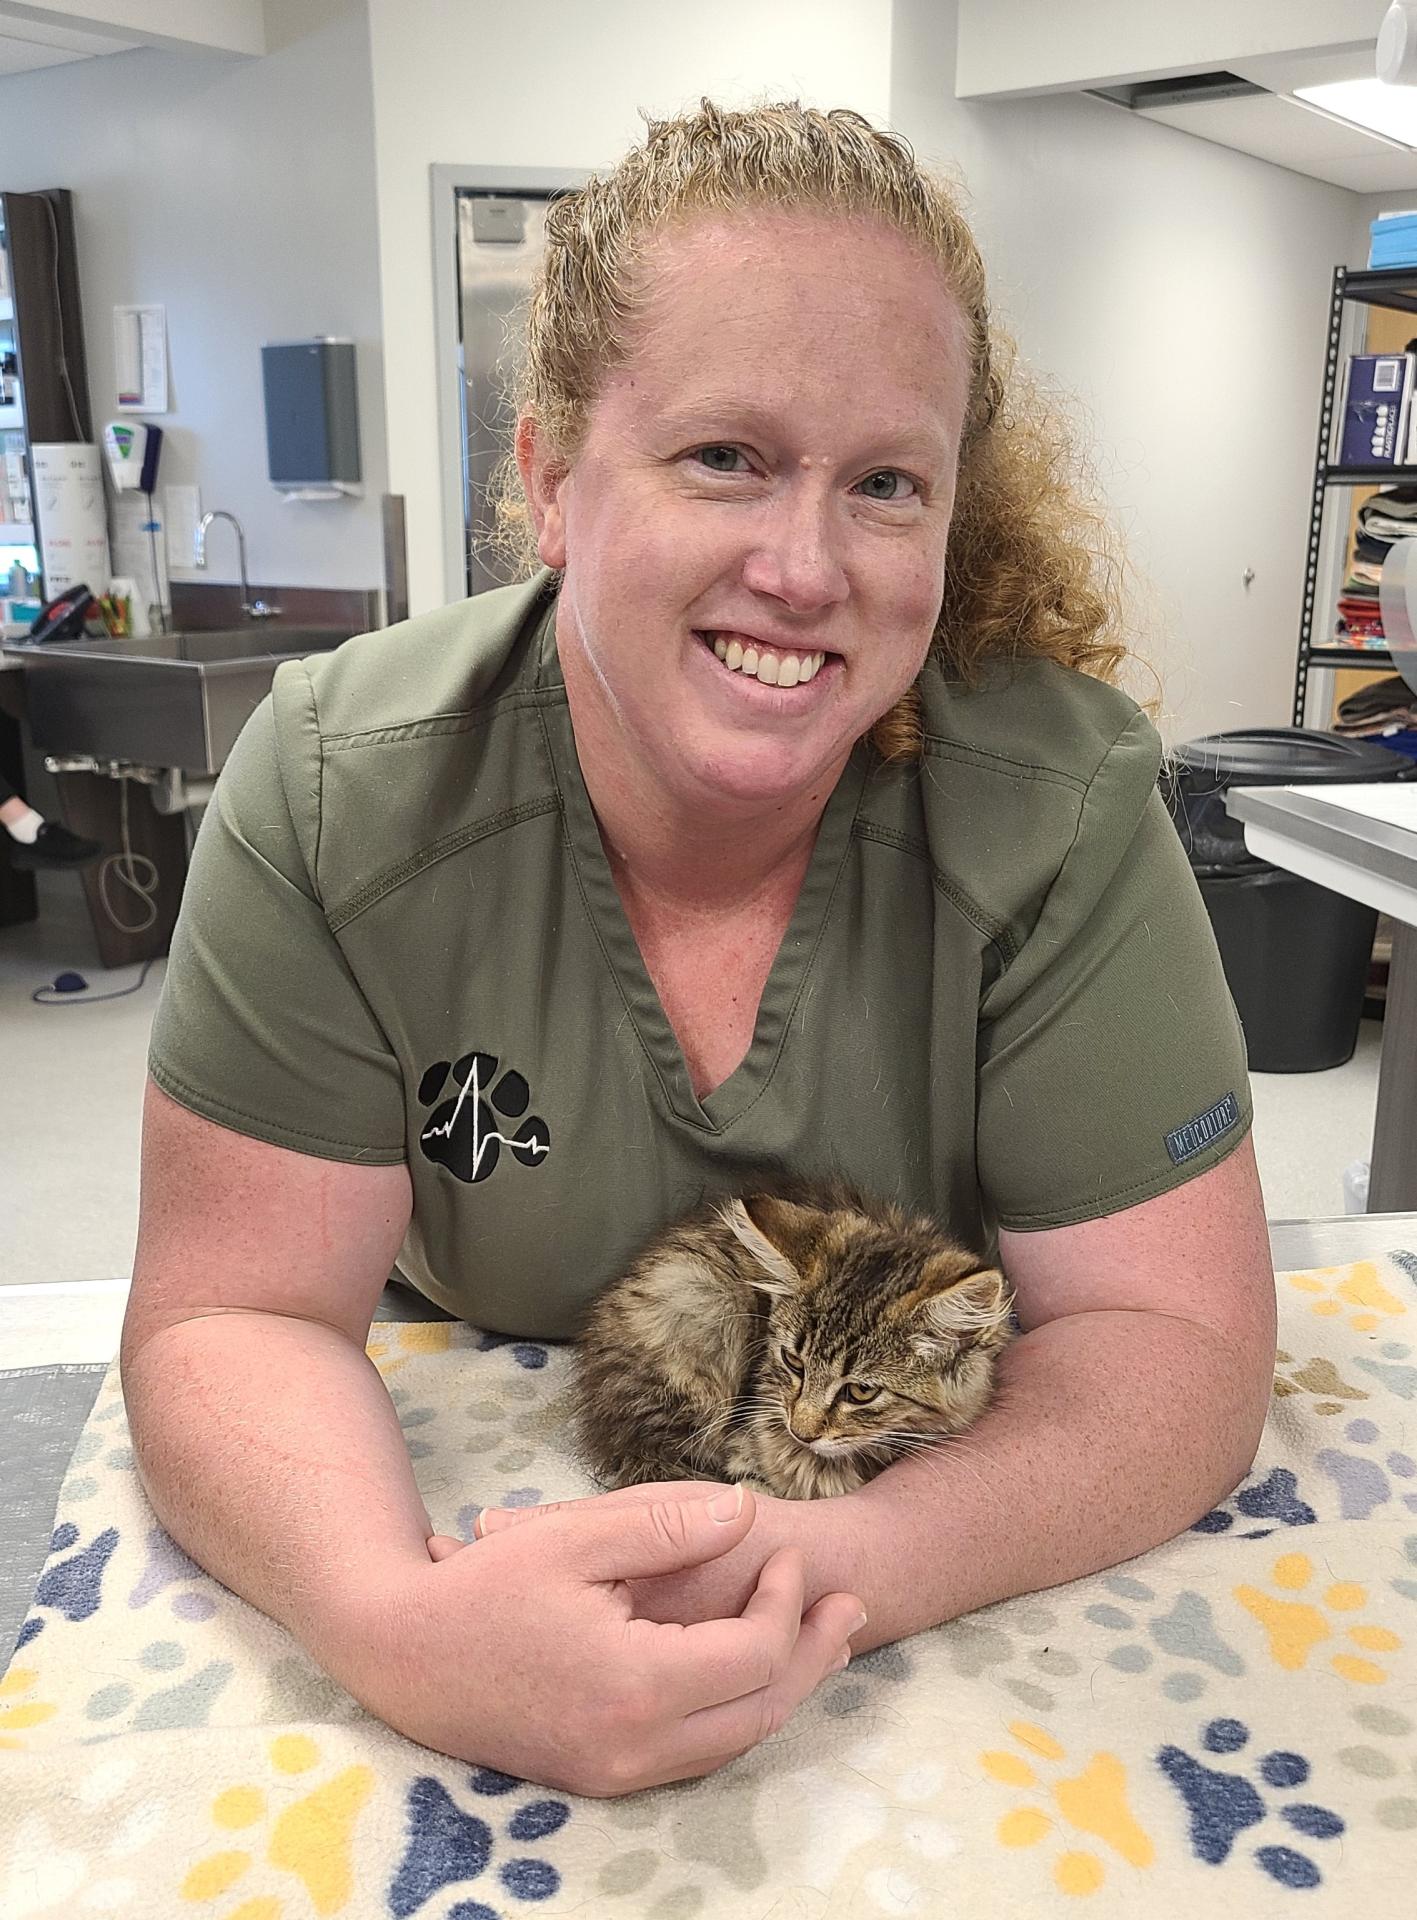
<point x="157" y="580"/>
<point x="124" y="869"/>
<point x="49" y="997"/>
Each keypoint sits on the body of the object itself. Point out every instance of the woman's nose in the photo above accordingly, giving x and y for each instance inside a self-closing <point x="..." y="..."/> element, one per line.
<point x="794" y="556"/>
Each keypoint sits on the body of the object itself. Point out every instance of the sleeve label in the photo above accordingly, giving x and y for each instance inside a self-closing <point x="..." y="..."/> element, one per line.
<point x="1197" y="1134"/>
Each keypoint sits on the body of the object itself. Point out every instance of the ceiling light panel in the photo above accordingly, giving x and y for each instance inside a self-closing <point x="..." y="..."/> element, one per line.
<point x="1389" y="112"/>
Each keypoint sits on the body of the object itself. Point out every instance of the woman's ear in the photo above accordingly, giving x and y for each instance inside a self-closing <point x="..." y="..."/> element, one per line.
<point x="543" y="475"/>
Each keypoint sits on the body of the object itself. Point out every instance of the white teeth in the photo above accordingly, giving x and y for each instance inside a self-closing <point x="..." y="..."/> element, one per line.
<point x="770" y="668"/>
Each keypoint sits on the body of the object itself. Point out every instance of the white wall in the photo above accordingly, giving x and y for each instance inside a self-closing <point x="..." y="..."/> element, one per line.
<point x="1180" y="291"/>
<point x="560" y="84"/>
<point x="240" y="194"/>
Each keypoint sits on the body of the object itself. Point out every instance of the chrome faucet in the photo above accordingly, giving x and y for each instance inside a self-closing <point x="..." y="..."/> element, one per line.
<point x="253" y="609"/>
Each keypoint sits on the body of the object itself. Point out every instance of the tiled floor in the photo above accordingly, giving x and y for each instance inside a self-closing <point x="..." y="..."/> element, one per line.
<point x="73" y="1081"/>
<point x="73" y="1075"/>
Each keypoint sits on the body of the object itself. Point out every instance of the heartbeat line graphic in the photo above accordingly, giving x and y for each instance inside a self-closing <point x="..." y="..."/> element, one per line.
<point x="480" y="1141"/>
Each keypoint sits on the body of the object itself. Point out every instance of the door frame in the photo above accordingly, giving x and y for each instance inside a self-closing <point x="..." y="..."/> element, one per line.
<point x="447" y="183"/>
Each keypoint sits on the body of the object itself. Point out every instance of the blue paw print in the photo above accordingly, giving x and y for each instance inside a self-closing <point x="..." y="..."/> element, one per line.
<point x="73" y="1587"/>
<point x="523" y="1351"/>
<point x="1363" y="1479"/>
<point x="1276" y="1497"/>
<point x="447" y="1845"/>
<point x="1223" y="1805"/>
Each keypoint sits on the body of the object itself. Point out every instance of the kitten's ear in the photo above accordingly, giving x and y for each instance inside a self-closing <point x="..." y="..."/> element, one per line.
<point x="779" y="1276"/>
<point x="970" y="1310"/>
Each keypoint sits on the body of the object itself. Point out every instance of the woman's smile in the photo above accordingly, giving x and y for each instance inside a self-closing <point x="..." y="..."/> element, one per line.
<point x="754" y="663"/>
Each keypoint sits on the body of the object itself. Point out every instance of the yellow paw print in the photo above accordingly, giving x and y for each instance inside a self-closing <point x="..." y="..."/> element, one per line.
<point x="392" y="1349"/>
<point x="311" y="1838"/>
<point x="1094" y="1801"/>
<point x="1296" y="1627"/>
<point x="17" y="1714"/>
<point x="1317" y="1376"/>
<point x="1359" y="1294"/>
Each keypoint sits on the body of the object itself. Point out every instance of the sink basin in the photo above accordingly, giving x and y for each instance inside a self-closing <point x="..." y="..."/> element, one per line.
<point x="172" y="700"/>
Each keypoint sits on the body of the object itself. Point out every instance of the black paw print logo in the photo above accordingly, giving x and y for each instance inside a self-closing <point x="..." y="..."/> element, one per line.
<point x="462" y="1134"/>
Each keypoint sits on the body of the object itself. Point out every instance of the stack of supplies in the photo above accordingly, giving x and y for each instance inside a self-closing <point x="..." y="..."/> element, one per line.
<point x="1384" y="518"/>
<point x="1375" y="415"/>
<point x="1386" y="711"/>
<point x="1393" y="241"/>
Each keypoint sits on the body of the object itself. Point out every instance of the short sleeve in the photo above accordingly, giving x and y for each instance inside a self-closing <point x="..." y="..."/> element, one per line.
<point x="262" y="1026"/>
<point x="1112" y="1063"/>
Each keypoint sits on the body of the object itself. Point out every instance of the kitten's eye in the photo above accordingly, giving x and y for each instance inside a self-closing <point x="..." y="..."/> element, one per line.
<point x="791" y="1362"/>
<point x="859" y="1394"/>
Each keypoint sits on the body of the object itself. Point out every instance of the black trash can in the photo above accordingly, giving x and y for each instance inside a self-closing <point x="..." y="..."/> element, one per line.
<point x="1295" y="954"/>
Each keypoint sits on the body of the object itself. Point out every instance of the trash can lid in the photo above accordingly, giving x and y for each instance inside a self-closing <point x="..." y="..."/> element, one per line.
<point x="1285" y="756"/>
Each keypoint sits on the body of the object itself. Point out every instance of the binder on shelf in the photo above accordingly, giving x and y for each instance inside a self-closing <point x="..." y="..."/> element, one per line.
<point x="1375" y="409"/>
<point x="1393" y="239"/>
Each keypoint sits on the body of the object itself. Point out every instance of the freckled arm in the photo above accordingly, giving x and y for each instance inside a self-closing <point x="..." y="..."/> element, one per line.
<point x="1132" y="1403"/>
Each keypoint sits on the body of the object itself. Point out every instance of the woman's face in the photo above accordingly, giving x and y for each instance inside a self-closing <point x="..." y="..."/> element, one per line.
<point x="771" y="473"/>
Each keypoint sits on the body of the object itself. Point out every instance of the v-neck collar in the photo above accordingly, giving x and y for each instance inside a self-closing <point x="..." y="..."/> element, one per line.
<point x="791" y="964"/>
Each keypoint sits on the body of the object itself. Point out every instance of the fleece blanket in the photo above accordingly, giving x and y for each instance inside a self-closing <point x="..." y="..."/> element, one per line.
<point x="1226" y="1724"/>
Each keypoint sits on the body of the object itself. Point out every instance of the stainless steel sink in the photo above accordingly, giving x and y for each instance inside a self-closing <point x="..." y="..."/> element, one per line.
<point x="174" y="700"/>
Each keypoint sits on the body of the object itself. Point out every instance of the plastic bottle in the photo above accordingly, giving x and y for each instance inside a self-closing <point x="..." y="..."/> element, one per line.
<point x="1355" y="1187"/>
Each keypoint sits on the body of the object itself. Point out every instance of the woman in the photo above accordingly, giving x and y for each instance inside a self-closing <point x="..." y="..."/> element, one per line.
<point x="784" y="818"/>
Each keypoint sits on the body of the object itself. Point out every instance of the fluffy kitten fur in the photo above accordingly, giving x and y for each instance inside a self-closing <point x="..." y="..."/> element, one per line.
<point x="867" y="1329"/>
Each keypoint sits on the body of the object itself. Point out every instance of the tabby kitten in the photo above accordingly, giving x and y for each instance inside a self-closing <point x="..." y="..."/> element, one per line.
<point x="799" y="1343"/>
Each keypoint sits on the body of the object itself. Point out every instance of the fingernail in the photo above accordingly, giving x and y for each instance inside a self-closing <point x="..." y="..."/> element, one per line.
<point x="859" y="1623"/>
<point x="727" y="1506"/>
<point x="844" y="1661"/>
<point x="484" y="1521"/>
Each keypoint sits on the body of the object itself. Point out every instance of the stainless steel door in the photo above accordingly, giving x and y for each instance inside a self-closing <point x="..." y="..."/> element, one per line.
<point x="501" y="238"/>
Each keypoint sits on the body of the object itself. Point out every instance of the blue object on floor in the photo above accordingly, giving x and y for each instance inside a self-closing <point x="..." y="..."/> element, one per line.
<point x="71" y="983"/>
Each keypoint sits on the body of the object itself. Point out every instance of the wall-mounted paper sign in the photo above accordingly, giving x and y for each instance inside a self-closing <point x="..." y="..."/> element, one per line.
<point x="140" y="358"/>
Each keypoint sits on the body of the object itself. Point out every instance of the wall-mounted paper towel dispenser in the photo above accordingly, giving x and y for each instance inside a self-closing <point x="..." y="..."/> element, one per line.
<point x="312" y="418"/>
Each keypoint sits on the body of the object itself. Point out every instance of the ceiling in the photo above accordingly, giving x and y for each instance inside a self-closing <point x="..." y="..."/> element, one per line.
<point x="1275" y="127"/>
<point x="51" y="33"/>
<point x="25" y="45"/>
<point x="1223" y="70"/>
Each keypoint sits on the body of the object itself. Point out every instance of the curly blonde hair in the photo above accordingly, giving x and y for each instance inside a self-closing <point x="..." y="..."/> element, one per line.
<point x="1030" y="568"/>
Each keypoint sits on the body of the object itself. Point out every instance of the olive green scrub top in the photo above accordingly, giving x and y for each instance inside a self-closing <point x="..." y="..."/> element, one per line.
<point x="998" y="1000"/>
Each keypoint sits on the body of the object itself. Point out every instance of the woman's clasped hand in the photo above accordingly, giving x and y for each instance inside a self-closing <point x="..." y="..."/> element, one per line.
<point x="524" y="1651"/>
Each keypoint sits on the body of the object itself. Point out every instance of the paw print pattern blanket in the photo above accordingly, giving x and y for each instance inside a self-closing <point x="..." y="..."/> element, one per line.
<point x="1227" y="1724"/>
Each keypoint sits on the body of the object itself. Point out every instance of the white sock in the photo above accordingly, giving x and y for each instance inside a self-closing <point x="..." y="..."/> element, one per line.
<point x="26" y="827"/>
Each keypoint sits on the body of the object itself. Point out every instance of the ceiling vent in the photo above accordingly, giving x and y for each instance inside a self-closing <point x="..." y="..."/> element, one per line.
<point x="1178" y="90"/>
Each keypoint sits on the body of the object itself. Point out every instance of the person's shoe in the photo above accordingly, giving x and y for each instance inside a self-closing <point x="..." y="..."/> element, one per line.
<point x="55" y="846"/>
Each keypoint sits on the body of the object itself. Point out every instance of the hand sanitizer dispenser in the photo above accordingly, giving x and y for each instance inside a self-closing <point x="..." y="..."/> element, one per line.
<point x="131" y="450"/>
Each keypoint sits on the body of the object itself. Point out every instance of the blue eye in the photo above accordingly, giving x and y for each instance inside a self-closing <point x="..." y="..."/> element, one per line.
<point x="897" y="483"/>
<point x="707" y="456"/>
